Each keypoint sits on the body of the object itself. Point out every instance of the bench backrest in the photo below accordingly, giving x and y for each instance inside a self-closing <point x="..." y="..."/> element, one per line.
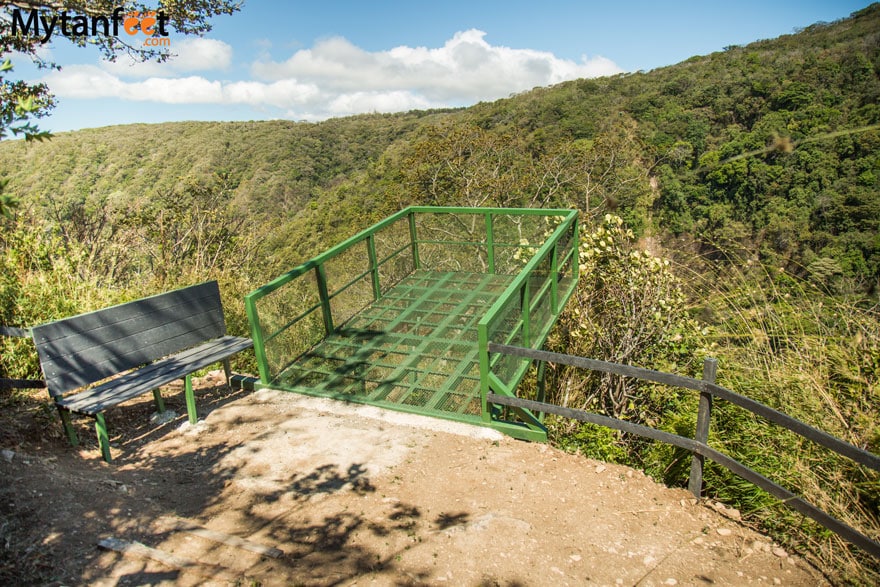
<point x="90" y="347"/>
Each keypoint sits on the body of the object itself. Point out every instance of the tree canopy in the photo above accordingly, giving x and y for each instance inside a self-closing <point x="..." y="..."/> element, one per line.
<point x="22" y="102"/>
<point x="186" y="17"/>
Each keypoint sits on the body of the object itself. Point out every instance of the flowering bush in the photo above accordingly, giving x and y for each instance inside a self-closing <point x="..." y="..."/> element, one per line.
<point x="629" y="308"/>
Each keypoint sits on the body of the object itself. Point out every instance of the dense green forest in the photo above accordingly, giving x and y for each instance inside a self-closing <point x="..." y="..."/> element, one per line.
<point x="738" y="193"/>
<point x="770" y="147"/>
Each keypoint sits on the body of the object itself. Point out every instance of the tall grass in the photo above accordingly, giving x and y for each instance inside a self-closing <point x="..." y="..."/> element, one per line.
<point x="789" y="343"/>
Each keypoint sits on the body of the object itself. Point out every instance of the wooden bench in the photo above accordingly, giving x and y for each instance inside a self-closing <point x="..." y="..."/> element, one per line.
<point x="141" y="345"/>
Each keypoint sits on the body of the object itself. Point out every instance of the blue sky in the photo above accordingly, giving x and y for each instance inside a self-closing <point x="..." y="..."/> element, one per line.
<point x="313" y="60"/>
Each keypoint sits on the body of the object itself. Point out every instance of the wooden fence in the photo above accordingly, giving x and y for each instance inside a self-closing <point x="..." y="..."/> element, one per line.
<point x="6" y="383"/>
<point x="698" y="445"/>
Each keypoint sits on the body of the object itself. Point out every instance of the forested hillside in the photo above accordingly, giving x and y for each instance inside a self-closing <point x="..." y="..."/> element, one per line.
<point x="273" y="167"/>
<point x="738" y="194"/>
<point x="770" y="147"/>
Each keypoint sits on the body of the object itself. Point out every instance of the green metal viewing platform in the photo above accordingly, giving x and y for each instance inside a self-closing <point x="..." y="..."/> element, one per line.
<point x="401" y="314"/>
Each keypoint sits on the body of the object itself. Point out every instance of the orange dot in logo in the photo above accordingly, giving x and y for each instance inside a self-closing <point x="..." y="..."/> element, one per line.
<point x="132" y="23"/>
<point x="147" y="24"/>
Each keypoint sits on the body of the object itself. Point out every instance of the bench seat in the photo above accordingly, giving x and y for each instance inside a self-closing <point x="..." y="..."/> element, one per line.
<point x="141" y="381"/>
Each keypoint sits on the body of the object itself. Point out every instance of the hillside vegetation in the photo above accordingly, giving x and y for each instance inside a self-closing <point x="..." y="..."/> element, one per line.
<point x="730" y="206"/>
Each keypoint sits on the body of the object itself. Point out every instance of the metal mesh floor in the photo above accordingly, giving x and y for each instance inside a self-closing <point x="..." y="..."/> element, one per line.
<point x="415" y="349"/>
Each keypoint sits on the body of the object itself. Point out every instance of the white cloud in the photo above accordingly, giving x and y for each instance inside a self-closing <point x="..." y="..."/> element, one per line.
<point x="334" y="77"/>
<point x="198" y="54"/>
<point x="187" y="55"/>
<point x="392" y="101"/>
<point x="281" y="94"/>
<point x="465" y="70"/>
<point x="89" y="81"/>
<point x="83" y="82"/>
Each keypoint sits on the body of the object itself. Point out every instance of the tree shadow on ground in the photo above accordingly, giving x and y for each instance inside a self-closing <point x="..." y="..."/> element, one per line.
<point x="58" y="503"/>
<point x="32" y="418"/>
<point x="320" y="545"/>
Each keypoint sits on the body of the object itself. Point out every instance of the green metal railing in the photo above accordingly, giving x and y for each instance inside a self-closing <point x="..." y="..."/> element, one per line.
<point x="523" y="316"/>
<point x="420" y="257"/>
<point x="295" y="311"/>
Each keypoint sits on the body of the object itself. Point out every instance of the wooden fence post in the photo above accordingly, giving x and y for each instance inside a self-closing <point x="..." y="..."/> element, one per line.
<point x="704" y="418"/>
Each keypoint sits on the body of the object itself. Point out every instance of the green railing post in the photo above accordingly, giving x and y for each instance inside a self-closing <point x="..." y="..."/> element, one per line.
<point x="250" y="307"/>
<point x="374" y="266"/>
<point x="526" y="310"/>
<point x="321" y="277"/>
<point x="542" y="386"/>
<point x="554" y="276"/>
<point x="483" y="354"/>
<point x="704" y="418"/>
<point x="413" y="237"/>
<point x="490" y="242"/>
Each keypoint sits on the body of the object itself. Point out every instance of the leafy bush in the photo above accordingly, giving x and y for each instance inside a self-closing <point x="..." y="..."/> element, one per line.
<point x="628" y="308"/>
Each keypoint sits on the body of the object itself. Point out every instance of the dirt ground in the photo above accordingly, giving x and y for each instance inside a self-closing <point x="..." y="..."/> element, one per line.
<point x="348" y="495"/>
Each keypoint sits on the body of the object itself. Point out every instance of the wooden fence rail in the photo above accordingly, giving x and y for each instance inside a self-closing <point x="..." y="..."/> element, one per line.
<point x="6" y="383"/>
<point x="698" y="445"/>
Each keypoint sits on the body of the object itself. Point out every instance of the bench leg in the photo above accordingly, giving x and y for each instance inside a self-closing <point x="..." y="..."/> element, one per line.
<point x="227" y="368"/>
<point x="103" y="437"/>
<point x="190" y="400"/>
<point x="68" y="427"/>
<point x="160" y="404"/>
